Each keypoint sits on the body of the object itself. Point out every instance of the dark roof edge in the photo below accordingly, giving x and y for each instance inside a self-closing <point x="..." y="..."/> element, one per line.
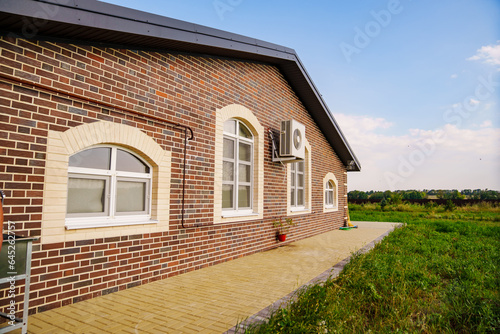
<point x="158" y="30"/>
<point x="143" y="23"/>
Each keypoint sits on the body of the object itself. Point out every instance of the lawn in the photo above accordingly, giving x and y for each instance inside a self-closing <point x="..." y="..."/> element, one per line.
<point x="439" y="273"/>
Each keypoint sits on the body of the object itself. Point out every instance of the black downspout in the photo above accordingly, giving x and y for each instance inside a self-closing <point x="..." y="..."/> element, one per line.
<point x="186" y="128"/>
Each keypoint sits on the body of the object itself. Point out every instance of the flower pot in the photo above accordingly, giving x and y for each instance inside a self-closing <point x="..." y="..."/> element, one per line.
<point x="281" y="237"/>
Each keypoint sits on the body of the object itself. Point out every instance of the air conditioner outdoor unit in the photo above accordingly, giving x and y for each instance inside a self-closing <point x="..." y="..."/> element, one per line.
<point x="292" y="138"/>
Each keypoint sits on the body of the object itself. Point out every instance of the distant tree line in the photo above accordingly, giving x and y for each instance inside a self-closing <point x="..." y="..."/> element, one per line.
<point x="401" y="195"/>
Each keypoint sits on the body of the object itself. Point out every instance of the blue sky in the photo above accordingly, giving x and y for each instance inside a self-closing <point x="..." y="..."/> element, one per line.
<point x="414" y="85"/>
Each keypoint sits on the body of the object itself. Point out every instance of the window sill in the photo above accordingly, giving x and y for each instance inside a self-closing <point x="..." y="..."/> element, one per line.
<point x="298" y="209"/>
<point x="330" y="209"/>
<point x="238" y="214"/>
<point x="92" y="222"/>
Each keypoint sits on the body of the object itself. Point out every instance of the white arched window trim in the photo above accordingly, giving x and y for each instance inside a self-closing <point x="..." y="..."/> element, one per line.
<point x="244" y="115"/>
<point x="61" y="145"/>
<point x="329" y="206"/>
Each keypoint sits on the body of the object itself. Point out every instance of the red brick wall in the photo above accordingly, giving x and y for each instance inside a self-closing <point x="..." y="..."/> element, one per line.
<point x="179" y="88"/>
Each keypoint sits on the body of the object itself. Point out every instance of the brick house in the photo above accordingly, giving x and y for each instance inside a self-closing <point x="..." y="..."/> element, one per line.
<point x="138" y="147"/>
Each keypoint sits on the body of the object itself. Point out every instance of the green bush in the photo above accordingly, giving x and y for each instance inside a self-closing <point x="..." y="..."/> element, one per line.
<point x="449" y="206"/>
<point x="430" y="205"/>
<point x="383" y="204"/>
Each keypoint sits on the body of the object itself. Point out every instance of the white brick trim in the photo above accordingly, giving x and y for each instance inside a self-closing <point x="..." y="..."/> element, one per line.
<point x="331" y="177"/>
<point x="61" y="145"/>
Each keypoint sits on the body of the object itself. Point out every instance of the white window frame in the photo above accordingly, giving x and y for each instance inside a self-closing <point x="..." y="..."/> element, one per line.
<point x="329" y="190"/>
<point x="235" y="183"/>
<point x="294" y="185"/>
<point x="330" y="179"/>
<point x="306" y="208"/>
<point x="112" y="176"/>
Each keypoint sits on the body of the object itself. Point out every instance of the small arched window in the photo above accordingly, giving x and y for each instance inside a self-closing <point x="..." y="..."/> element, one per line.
<point x="330" y="198"/>
<point x="108" y="182"/>
<point x="237" y="167"/>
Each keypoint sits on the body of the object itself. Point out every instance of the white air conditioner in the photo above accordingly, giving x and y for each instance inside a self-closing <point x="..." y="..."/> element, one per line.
<point x="292" y="139"/>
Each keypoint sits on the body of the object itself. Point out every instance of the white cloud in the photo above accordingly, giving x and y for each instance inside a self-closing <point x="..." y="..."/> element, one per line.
<point x="445" y="158"/>
<point x="473" y="101"/>
<point x="486" y="124"/>
<point x="487" y="106"/>
<point x="454" y="76"/>
<point x="489" y="54"/>
<point x="363" y="123"/>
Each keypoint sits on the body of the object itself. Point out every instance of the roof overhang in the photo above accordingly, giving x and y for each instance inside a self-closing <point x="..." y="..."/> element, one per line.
<point x="99" y="23"/>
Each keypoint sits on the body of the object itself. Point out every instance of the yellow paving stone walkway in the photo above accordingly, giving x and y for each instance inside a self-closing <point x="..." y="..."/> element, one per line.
<point x="213" y="299"/>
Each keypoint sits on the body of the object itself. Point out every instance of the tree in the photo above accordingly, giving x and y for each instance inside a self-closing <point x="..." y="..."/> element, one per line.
<point x="356" y="194"/>
<point x="413" y="194"/>
<point x="383" y="203"/>
<point x="467" y="193"/>
<point x="377" y="195"/>
<point x="489" y="194"/>
<point x="454" y="194"/>
<point x="396" y="198"/>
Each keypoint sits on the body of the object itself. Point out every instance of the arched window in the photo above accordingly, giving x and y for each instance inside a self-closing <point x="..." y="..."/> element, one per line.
<point x="130" y="162"/>
<point x="237" y="167"/>
<point x="329" y="194"/>
<point x="108" y="183"/>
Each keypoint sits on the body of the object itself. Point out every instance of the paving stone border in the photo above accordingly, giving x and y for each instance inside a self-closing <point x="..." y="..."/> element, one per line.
<point x="332" y="272"/>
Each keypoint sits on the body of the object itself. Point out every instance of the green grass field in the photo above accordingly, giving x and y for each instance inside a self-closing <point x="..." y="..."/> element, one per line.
<point x="437" y="274"/>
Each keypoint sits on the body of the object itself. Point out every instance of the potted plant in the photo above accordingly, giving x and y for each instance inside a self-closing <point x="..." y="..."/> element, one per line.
<point x="283" y="227"/>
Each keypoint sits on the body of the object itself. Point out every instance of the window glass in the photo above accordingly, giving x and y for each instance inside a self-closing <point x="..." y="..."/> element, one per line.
<point x="230" y="126"/>
<point x="300" y="166"/>
<point x="228" y="171"/>
<point x="98" y="158"/>
<point x="244" y="196"/>
<point x="245" y="152"/>
<point x="227" y="196"/>
<point x="127" y="162"/>
<point x="300" y="197"/>
<point x="86" y="195"/>
<point x="300" y="180"/>
<point x="244" y="173"/>
<point x="244" y="131"/>
<point x="130" y="196"/>
<point x="228" y="151"/>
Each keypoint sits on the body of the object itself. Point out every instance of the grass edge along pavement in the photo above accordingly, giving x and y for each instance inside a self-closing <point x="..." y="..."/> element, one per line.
<point x="332" y="272"/>
<point x="434" y="275"/>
